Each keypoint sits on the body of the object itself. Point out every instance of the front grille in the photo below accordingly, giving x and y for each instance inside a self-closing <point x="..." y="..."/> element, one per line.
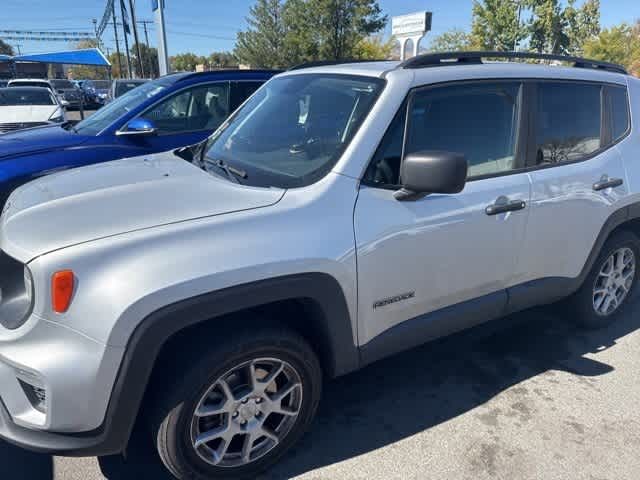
<point x="12" y="127"/>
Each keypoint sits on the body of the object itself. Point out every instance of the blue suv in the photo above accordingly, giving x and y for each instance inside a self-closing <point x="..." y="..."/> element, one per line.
<point x="173" y="111"/>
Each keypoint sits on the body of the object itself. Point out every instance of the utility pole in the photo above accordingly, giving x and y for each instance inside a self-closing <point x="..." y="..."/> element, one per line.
<point x="126" y="41"/>
<point x="152" y="73"/>
<point x="95" y="31"/>
<point x="135" y="36"/>
<point x="115" y="32"/>
<point x="18" y="45"/>
<point x="163" y="57"/>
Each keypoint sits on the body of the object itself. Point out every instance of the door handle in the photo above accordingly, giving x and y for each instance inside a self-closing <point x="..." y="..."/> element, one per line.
<point x="498" y="208"/>
<point x="607" y="183"/>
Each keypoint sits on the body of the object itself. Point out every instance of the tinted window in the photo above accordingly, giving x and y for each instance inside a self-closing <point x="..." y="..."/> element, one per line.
<point x="568" y="122"/>
<point x="619" y="112"/>
<point x="240" y="91"/>
<point x="294" y="129"/>
<point x="200" y="108"/>
<point x="27" y="83"/>
<point x="479" y="121"/>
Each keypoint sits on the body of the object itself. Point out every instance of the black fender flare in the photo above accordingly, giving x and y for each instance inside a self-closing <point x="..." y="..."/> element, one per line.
<point x="156" y="329"/>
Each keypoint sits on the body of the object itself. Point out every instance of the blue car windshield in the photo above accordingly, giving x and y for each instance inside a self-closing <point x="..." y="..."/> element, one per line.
<point x="110" y="113"/>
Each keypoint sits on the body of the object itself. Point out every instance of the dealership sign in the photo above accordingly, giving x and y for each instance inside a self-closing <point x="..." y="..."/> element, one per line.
<point x="411" y="27"/>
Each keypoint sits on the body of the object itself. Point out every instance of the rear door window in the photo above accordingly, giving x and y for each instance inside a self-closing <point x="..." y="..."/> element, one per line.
<point x="568" y="122"/>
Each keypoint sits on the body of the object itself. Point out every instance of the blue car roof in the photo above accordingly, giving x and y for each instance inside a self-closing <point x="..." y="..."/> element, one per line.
<point x="236" y="74"/>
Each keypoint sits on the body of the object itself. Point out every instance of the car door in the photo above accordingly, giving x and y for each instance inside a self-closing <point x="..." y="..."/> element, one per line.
<point x="186" y="117"/>
<point x="578" y="181"/>
<point x="416" y="258"/>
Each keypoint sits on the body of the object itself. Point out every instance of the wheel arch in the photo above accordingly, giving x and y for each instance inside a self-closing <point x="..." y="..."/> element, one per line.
<point x="317" y="294"/>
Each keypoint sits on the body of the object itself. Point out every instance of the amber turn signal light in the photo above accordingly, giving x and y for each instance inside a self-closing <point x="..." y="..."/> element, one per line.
<point x="61" y="290"/>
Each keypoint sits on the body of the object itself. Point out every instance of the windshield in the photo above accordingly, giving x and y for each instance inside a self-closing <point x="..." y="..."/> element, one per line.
<point x="294" y="129"/>
<point x="62" y="84"/>
<point x="108" y="114"/>
<point x="25" y="96"/>
<point x="124" y="87"/>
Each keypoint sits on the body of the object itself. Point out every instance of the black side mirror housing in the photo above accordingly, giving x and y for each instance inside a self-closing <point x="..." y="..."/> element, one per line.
<point x="432" y="172"/>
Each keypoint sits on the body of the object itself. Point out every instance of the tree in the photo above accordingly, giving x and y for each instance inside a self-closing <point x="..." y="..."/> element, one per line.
<point x="262" y="45"/>
<point x="583" y="24"/>
<point x="185" y="62"/>
<point x="497" y="24"/>
<point x="454" y="40"/>
<point x="116" y="67"/>
<point x="5" y="48"/>
<point x="221" y="60"/>
<point x="286" y="32"/>
<point x="373" y="48"/>
<point x="618" y="44"/>
<point x="149" y="60"/>
<point x="331" y="29"/>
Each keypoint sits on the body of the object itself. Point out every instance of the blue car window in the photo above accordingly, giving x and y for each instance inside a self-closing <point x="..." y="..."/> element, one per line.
<point x="112" y="112"/>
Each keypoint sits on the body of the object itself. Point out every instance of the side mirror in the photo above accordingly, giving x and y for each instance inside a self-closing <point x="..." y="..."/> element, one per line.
<point x="138" y="127"/>
<point x="432" y="172"/>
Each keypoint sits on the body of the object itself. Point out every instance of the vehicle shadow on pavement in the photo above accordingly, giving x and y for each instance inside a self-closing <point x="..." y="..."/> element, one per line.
<point x="411" y="392"/>
<point x="19" y="464"/>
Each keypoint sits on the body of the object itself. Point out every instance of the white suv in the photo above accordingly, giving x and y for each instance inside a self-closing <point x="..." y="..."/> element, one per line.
<point x="344" y="213"/>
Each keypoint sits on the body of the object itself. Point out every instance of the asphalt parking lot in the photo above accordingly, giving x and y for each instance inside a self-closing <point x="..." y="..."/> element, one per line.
<point x="541" y="400"/>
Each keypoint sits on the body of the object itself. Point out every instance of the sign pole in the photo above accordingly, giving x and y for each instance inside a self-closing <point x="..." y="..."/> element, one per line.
<point x="414" y="27"/>
<point x="163" y="58"/>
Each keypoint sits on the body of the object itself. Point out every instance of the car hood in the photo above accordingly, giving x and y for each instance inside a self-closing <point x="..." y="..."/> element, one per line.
<point x="37" y="140"/>
<point x="98" y="201"/>
<point x="27" y="113"/>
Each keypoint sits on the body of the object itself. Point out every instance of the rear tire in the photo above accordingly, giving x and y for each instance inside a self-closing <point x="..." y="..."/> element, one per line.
<point x="611" y="284"/>
<point x="255" y="394"/>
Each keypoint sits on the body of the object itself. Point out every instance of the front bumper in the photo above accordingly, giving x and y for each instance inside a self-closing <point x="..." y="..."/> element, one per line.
<point x="77" y="375"/>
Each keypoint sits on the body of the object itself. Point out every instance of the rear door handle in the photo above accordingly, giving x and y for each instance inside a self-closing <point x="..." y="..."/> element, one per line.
<point x="607" y="183"/>
<point x="512" y="206"/>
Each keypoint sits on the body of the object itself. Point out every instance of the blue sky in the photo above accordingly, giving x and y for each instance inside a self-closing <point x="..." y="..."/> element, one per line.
<point x="203" y="26"/>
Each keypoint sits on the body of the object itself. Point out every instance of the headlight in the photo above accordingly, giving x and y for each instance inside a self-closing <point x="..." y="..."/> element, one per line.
<point x="57" y="116"/>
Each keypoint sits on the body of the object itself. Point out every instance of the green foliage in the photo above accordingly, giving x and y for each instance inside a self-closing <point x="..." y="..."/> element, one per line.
<point x="221" y="60"/>
<point x="286" y="32"/>
<point x="455" y="40"/>
<point x="116" y="67"/>
<point x="374" y="48"/>
<point x="149" y="60"/>
<point x="262" y="45"/>
<point x="497" y="24"/>
<point x="546" y="26"/>
<point x="185" y="62"/>
<point x="619" y="44"/>
<point x="5" y="48"/>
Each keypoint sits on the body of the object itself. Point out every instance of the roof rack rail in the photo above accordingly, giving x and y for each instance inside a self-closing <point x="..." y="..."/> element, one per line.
<point x="465" y="58"/>
<point x="324" y="63"/>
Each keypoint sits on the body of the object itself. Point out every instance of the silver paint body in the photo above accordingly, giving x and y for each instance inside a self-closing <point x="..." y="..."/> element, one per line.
<point x="143" y="233"/>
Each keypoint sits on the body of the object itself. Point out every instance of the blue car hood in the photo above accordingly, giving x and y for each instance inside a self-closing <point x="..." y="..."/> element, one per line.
<point x="41" y="139"/>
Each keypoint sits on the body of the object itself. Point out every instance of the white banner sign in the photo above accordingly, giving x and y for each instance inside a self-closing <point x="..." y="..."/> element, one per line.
<point x="411" y="25"/>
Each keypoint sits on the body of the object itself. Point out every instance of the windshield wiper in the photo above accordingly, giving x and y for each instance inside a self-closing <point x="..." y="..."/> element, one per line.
<point x="232" y="173"/>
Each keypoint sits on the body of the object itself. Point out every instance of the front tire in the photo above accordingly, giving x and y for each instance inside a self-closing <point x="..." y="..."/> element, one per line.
<point x="611" y="284"/>
<point x="239" y="407"/>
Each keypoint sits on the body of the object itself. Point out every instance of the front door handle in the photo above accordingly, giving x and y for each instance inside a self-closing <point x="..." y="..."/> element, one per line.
<point x="607" y="183"/>
<point x="504" y="207"/>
